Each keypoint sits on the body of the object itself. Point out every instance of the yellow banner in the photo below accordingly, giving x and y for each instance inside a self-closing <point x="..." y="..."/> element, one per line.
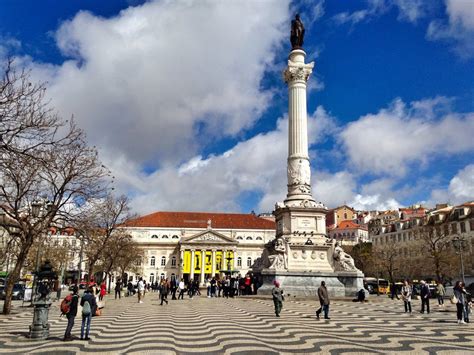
<point x="197" y="262"/>
<point x="208" y="269"/>
<point x="219" y="265"/>
<point x="187" y="262"/>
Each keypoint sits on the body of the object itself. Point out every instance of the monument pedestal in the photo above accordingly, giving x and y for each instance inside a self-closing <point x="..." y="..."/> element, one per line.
<point x="306" y="284"/>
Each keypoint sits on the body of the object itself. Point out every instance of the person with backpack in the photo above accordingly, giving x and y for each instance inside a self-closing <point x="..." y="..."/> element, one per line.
<point x="69" y="308"/>
<point x="89" y="306"/>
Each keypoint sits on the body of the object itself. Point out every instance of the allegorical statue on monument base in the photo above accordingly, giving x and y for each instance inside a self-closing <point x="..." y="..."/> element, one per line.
<point x="343" y="261"/>
<point x="297" y="33"/>
<point x="278" y="255"/>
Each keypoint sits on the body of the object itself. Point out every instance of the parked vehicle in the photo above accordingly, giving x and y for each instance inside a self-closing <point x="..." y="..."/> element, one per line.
<point x="18" y="292"/>
<point x="374" y="285"/>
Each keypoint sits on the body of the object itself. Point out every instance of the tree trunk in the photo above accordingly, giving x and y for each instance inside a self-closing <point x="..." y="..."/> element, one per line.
<point x="14" y="277"/>
<point x="110" y="281"/>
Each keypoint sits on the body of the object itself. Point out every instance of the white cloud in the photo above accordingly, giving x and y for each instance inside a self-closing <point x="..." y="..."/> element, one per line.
<point x="388" y="141"/>
<point x="458" y="28"/>
<point x="408" y="10"/>
<point x="158" y="81"/>
<point x="374" y="202"/>
<point x="257" y="165"/>
<point x="411" y="10"/>
<point x="460" y="189"/>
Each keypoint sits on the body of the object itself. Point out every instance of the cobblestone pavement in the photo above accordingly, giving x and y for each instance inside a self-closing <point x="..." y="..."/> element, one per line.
<point x="245" y="325"/>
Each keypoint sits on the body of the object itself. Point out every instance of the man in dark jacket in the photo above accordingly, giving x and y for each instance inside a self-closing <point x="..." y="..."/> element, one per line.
<point x="164" y="289"/>
<point x="425" y="297"/>
<point x="87" y="313"/>
<point x="118" y="289"/>
<point x="323" y="300"/>
<point x="71" y="315"/>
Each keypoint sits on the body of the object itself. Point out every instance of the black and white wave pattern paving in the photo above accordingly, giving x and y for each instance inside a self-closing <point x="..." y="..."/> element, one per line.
<point x="247" y="325"/>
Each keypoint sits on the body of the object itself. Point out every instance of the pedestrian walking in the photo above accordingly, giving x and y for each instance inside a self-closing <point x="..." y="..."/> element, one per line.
<point x="181" y="287"/>
<point x="407" y="291"/>
<point x="278" y="298"/>
<point x="440" y="291"/>
<point x="71" y="314"/>
<point x="213" y="287"/>
<point x="89" y="307"/>
<point x="323" y="296"/>
<point x="173" y="289"/>
<point x="129" y="289"/>
<point x="459" y="299"/>
<point x="141" y="290"/>
<point x="118" y="289"/>
<point x="103" y="290"/>
<point x="425" y="297"/>
<point x="164" y="289"/>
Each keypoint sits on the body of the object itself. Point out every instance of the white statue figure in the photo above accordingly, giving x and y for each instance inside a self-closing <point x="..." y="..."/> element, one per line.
<point x="343" y="260"/>
<point x="278" y="260"/>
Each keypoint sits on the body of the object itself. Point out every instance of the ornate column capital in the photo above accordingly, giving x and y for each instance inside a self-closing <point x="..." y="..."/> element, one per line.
<point x="297" y="71"/>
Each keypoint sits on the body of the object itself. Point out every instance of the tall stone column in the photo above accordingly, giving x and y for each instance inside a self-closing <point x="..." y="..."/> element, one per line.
<point x="181" y="263"/>
<point x="213" y="260"/>
<point x="298" y="168"/>
<point x="203" y="265"/>
<point x="191" y="275"/>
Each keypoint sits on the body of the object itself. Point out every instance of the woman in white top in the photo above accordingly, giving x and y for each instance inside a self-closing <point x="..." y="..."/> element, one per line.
<point x="406" y="296"/>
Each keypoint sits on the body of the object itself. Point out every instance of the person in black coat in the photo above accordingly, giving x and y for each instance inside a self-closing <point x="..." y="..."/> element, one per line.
<point x="71" y="315"/>
<point x="425" y="297"/>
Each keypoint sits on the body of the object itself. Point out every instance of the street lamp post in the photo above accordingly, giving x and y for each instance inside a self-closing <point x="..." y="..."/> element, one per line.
<point x="459" y="244"/>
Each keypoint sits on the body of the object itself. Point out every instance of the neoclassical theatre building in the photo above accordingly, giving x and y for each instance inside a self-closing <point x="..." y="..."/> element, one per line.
<point x="199" y="245"/>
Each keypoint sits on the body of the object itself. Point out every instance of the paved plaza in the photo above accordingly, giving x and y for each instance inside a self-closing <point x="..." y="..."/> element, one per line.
<point x="247" y="325"/>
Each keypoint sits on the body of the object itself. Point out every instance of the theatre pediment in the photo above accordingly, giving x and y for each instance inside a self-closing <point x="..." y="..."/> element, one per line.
<point x="208" y="237"/>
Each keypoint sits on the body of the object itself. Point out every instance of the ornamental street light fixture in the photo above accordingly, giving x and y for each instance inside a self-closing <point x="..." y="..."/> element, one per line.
<point x="459" y="244"/>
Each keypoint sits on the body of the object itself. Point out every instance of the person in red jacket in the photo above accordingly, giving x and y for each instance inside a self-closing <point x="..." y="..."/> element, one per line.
<point x="103" y="290"/>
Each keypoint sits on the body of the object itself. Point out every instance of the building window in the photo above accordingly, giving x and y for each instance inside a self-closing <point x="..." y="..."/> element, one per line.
<point x="163" y="261"/>
<point x="249" y="238"/>
<point x="152" y="277"/>
<point x="162" y="276"/>
<point x="239" y="237"/>
<point x="154" y="236"/>
<point x="249" y="262"/>
<point x="152" y="261"/>
<point x="259" y="238"/>
<point x="239" y="262"/>
<point x="173" y="261"/>
<point x="463" y="227"/>
<point x="175" y="237"/>
<point x="345" y="215"/>
<point x="454" y="228"/>
<point x="138" y="262"/>
<point x="164" y="237"/>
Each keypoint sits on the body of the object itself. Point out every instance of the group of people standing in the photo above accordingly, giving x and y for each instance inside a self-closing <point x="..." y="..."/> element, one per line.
<point x="461" y="298"/>
<point x="89" y="308"/>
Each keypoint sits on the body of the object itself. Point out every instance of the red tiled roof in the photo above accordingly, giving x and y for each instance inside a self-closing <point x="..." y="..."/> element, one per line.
<point x="199" y="220"/>
<point x="350" y="225"/>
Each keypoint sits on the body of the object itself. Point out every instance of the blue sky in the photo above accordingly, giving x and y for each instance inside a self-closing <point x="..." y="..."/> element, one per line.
<point x="186" y="103"/>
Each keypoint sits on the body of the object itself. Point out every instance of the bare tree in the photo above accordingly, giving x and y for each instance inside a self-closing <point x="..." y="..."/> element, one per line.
<point x="364" y="257"/>
<point x="119" y="250"/>
<point x="98" y="226"/>
<point x="387" y="260"/>
<point x="435" y="246"/>
<point x="46" y="167"/>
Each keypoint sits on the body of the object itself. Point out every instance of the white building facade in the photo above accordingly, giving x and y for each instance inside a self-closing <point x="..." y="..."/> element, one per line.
<point x="197" y="246"/>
